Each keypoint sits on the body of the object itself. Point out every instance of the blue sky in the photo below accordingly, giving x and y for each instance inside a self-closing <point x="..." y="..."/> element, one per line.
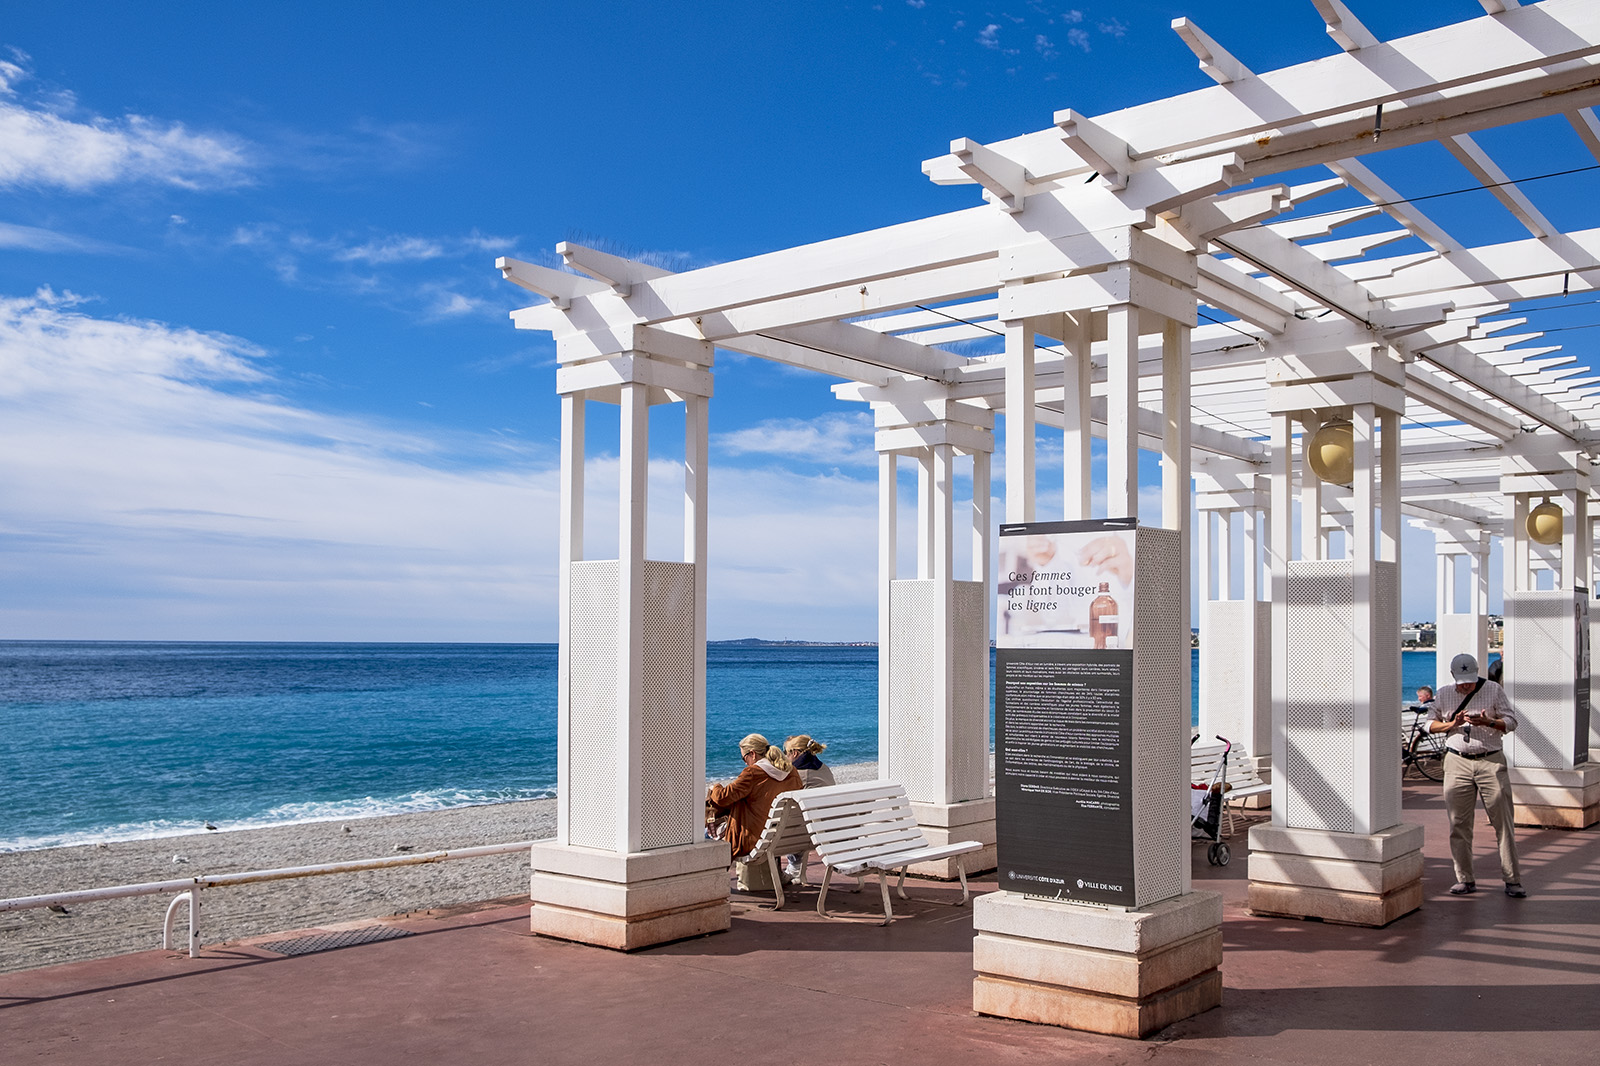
<point x="256" y="375"/>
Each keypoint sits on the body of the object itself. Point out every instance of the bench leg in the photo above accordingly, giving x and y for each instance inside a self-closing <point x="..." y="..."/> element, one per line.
<point x="901" y="887"/>
<point x="883" y="888"/>
<point x="777" y="882"/>
<point x="961" y="872"/>
<point x="822" y="896"/>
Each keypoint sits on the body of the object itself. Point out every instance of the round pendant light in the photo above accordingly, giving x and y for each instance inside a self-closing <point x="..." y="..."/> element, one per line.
<point x="1544" y="523"/>
<point x="1332" y="453"/>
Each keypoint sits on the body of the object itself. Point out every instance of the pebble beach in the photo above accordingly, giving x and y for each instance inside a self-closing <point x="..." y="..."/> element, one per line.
<point x="40" y="937"/>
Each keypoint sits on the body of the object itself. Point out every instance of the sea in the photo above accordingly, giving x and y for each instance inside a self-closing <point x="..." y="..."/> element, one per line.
<point x="105" y="741"/>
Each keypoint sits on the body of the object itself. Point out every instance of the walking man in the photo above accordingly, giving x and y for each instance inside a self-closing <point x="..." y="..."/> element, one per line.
<point x="1476" y="715"/>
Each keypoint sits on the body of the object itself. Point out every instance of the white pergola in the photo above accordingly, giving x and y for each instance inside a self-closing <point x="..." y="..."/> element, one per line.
<point x="1162" y="277"/>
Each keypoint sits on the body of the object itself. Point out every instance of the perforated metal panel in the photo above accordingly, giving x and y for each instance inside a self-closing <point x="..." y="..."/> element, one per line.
<point x="1160" y="729"/>
<point x="1541" y="672"/>
<point x="668" y="793"/>
<point x="1229" y="671"/>
<point x="916" y="704"/>
<point x="1385" y="714"/>
<point x="970" y="647"/>
<point x="591" y="787"/>
<point x="1319" y="726"/>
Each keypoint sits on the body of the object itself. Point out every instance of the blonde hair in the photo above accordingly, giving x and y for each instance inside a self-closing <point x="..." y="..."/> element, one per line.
<point x="755" y="742"/>
<point x="803" y="743"/>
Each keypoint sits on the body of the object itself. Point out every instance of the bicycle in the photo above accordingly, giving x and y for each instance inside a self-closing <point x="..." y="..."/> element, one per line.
<point x="1422" y="750"/>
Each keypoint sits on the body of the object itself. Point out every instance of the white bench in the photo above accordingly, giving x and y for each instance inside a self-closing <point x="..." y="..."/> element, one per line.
<point x="784" y="834"/>
<point x="1243" y="781"/>
<point x="868" y="827"/>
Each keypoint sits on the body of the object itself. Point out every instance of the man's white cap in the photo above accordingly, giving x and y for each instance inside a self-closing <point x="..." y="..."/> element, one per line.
<point x="1464" y="668"/>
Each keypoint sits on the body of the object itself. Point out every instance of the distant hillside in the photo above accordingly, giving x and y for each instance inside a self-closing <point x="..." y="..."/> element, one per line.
<point x="759" y="642"/>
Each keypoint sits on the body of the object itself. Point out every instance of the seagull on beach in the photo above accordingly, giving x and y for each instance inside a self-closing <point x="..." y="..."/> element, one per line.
<point x="180" y="858"/>
<point x="404" y="847"/>
<point x="210" y="826"/>
<point x="56" y="908"/>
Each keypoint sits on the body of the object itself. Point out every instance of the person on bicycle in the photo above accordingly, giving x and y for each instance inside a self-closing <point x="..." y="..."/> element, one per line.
<point x="1475" y="716"/>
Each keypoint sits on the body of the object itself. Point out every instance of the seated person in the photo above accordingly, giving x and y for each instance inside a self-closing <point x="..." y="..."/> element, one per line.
<point x="748" y="799"/>
<point x="802" y="752"/>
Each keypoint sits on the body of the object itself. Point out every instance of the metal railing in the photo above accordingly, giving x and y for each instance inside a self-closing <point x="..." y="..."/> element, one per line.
<point x="189" y="888"/>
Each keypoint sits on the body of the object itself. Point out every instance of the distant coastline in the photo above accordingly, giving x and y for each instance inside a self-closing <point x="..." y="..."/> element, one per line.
<point x="761" y="642"/>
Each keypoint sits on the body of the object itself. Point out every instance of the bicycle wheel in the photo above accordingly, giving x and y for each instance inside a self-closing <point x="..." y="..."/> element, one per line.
<point x="1427" y="755"/>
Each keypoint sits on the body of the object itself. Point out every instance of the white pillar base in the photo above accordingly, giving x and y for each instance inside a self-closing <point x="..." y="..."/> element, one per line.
<point x="1123" y="973"/>
<point x="628" y="902"/>
<point x="1347" y="878"/>
<point x="1557" y="799"/>
<point x="950" y="823"/>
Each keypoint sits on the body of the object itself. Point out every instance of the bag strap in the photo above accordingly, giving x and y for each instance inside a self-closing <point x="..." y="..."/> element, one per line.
<point x="1463" y="704"/>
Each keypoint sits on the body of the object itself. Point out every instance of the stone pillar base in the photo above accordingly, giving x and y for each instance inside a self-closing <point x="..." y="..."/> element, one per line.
<point x="1348" y="878"/>
<point x="630" y="901"/>
<point x="1557" y="799"/>
<point x="948" y="823"/>
<point x="1122" y="973"/>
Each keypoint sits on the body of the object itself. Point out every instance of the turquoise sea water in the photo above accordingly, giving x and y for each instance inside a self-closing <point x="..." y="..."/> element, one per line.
<point x="106" y="741"/>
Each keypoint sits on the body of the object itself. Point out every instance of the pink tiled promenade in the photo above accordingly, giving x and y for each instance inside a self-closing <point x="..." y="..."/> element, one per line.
<point x="1481" y="979"/>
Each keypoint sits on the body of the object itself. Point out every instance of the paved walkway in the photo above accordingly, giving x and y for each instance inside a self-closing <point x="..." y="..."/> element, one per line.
<point x="1476" y="979"/>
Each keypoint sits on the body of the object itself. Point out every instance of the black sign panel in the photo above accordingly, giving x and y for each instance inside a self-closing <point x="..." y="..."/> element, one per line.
<point x="1063" y="773"/>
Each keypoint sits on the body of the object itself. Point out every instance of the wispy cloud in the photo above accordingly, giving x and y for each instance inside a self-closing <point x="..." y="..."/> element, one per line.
<point x="829" y="439"/>
<point x="34" y="239"/>
<point x="438" y="276"/>
<point x="160" y="485"/>
<point x="52" y="143"/>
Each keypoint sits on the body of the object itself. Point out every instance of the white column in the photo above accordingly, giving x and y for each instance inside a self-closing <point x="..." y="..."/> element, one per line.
<point x="1122" y="411"/>
<point x="1076" y="434"/>
<point x="1176" y="474"/>
<point x="982" y="517"/>
<point x="695" y="448"/>
<point x="888" y="532"/>
<point x="573" y="409"/>
<point x="926" y="515"/>
<point x="1518" y="561"/>
<point x="1389" y="456"/>
<point x="1363" y="549"/>
<point x="1281" y="546"/>
<point x="1203" y="568"/>
<point x="634" y="459"/>
<point x="1225" y="555"/>
<point x="1312" y="542"/>
<point x="1020" y="484"/>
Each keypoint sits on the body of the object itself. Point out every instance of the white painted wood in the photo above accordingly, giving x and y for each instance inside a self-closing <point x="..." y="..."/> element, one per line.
<point x="1219" y="64"/>
<point x="926" y="515"/>
<point x="982" y="520"/>
<point x="888" y="562"/>
<point x="1076" y="429"/>
<point x="1344" y="27"/>
<point x="1280" y="539"/>
<point x="1020" y="421"/>
<point x="1004" y="179"/>
<point x="1487" y="171"/>
<point x="1104" y="152"/>
<point x="632" y="505"/>
<point x="696" y="512"/>
<point x="569" y="550"/>
<point x="1122" y="420"/>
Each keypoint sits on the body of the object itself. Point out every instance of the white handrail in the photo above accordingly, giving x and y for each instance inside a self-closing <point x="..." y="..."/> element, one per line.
<point x="190" y="886"/>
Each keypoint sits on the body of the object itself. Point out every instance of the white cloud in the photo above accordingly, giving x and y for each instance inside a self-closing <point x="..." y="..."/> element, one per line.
<point x="832" y="438"/>
<point x="989" y="36"/>
<point x="156" y="488"/>
<point x="158" y="485"/>
<point x="34" y="239"/>
<point x="46" y="145"/>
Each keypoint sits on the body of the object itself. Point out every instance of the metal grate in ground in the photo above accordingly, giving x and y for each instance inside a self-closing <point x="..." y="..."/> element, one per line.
<point x="344" y="938"/>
